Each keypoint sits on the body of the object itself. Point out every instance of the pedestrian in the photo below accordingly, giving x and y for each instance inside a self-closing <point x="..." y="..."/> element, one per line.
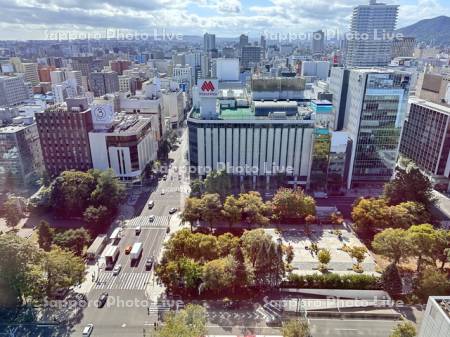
<point x="154" y="325"/>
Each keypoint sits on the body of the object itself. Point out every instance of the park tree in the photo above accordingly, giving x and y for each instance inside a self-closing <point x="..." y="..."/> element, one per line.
<point x="292" y="205"/>
<point x="359" y="254"/>
<point x="423" y="239"/>
<point x="253" y="208"/>
<point x="197" y="188"/>
<point x="405" y="329"/>
<point x="324" y="257"/>
<point x="441" y="248"/>
<point x="97" y="218"/>
<point x="71" y="192"/>
<point x="183" y="273"/>
<point x="192" y="211"/>
<point x="409" y="184"/>
<point x="62" y="269"/>
<point x="231" y="210"/>
<point x="45" y="235"/>
<point x="368" y="214"/>
<point x="226" y="244"/>
<point x="188" y="322"/>
<point x="432" y="282"/>
<point x="12" y="212"/>
<point x="108" y="192"/>
<point x="18" y="258"/>
<point x="211" y="208"/>
<point x="391" y="279"/>
<point x="241" y="275"/>
<point x="218" y="182"/>
<point x="296" y="328"/>
<point x="393" y="243"/>
<point x="219" y="274"/>
<point x="407" y="214"/>
<point x="73" y="239"/>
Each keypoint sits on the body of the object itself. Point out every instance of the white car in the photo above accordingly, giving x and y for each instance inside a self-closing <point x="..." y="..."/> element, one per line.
<point x="163" y="192"/>
<point x="88" y="330"/>
<point x="117" y="269"/>
<point x="151" y="203"/>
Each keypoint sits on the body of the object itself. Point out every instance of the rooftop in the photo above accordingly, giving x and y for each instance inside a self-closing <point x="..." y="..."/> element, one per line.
<point x="431" y="105"/>
<point x="444" y="304"/>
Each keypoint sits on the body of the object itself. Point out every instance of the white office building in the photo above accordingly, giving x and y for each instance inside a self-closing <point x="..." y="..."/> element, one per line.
<point x="13" y="90"/>
<point x="370" y="39"/>
<point x="227" y="69"/>
<point x="315" y="69"/>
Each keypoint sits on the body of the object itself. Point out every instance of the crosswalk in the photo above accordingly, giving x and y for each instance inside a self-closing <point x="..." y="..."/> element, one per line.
<point x="144" y="222"/>
<point x="123" y="281"/>
<point x="163" y="307"/>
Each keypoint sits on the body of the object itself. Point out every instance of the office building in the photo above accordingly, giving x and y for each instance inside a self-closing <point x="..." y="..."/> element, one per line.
<point x="119" y="66"/>
<point x="13" y="90"/>
<point x="250" y="56"/>
<point x="403" y="47"/>
<point x="315" y="69"/>
<point x="434" y="87"/>
<point x="318" y="42"/>
<point x="173" y="103"/>
<point x="57" y="76"/>
<point x="183" y="74"/>
<point x="375" y="112"/>
<point x="20" y="155"/>
<point x="126" y="144"/>
<point x="83" y="64"/>
<point x="338" y="87"/>
<point x="31" y="73"/>
<point x="426" y="140"/>
<point x="44" y="73"/>
<point x="436" y="319"/>
<point x="243" y="41"/>
<point x="104" y="82"/>
<point x="124" y="83"/>
<point x="209" y="42"/>
<point x="227" y="69"/>
<point x="369" y="43"/>
<point x="63" y="134"/>
<point x="205" y="67"/>
<point x="255" y="143"/>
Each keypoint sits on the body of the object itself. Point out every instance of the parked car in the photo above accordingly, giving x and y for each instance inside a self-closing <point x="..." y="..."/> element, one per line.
<point x="138" y="230"/>
<point x="128" y="249"/>
<point x="150" y="204"/>
<point x="149" y="263"/>
<point x="102" y="300"/>
<point x="117" y="269"/>
<point x="151" y="218"/>
<point x="163" y="192"/>
<point x="87" y="330"/>
<point x="172" y="210"/>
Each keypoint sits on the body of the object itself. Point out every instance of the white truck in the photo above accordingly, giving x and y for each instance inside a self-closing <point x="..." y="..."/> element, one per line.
<point x="111" y="255"/>
<point x="136" y="252"/>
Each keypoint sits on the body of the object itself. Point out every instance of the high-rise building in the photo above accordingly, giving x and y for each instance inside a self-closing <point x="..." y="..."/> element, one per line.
<point x="119" y="66"/>
<point x="44" y="73"/>
<point x="83" y="64"/>
<point x="403" y="47"/>
<point x="436" y="318"/>
<point x="370" y="42"/>
<point x="20" y="155"/>
<point x="13" y="90"/>
<point x="31" y="74"/>
<point x="375" y="112"/>
<point x="426" y="140"/>
<point x="57" y="76"/>
<point x="209" y="42"/>
<point x="338" y="87"/>
<point x="250" y="56"/>
<point x="63" y="134"/>
<point x="243" y="41"/>
<point x="104" y="82"/>
<point x="318" y="42"/>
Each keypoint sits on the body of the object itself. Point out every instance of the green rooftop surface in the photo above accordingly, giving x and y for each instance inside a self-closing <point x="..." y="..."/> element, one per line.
<point x="238" y="113"/>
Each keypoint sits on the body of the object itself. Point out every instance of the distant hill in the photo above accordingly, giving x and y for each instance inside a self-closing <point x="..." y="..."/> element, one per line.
<point x="434" y="31"/>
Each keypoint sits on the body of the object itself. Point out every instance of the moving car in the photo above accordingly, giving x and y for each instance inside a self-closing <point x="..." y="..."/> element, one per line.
<point x="138" y="230"/>
<point x="102" y="300"/>
<point x="87" y="330"/>
<point x="117" y="269"/>
<point x="151" y="218"/>
<point x="163" y="192"/>
<point x="149" y="263"/>
<point x="128" y="249"/>
<point x="172" y="210"/>
<point x="150" y="204"/>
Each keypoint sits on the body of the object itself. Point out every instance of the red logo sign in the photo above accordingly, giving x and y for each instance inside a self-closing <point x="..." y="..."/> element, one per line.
<point x="207" y="86"/>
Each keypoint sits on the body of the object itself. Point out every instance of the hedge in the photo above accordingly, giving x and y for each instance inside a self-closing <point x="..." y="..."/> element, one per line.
<point x="333" y="281"/>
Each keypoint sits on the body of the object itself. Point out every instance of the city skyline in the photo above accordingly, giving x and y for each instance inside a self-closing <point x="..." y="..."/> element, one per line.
<point x="29" y="20"/>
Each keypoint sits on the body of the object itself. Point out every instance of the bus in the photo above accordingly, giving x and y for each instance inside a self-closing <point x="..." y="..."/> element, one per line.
<point x="116" y="235"/>
<point x="111" y="255"/>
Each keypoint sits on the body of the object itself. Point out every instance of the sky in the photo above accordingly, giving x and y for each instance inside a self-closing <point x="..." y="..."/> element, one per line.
<point x="44" y="19"/>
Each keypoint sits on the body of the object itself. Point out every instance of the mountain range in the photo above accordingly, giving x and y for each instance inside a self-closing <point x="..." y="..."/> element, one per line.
<point x="435" y="31"/>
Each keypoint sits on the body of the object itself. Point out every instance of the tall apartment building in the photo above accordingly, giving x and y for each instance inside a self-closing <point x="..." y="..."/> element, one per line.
<point x="119" y="66"/>
<point x="12" y="90"/>
<point x="83" y="64"/>
<point x="104" y="82"/>
<point x="403" y="47"/>
<point x="368" y="44"/>
<point x="31" y="73"/>
<point x="318" y="42"/>
<point x="64" y="138"/>
<point x="20" y="155"/>
<point x="436" y="319"/>
<point x="44" y="73"/>
<point x="426" y="140"/>
<point x="250" y="56"/>
<point x="375" y="111"/>
<point x="209" y="42"/>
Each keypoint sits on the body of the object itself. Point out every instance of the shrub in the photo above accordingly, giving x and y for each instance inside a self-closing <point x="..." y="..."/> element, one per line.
<point x="333" y="281"/>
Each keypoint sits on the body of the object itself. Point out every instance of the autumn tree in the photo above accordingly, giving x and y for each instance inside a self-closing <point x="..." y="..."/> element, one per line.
<point x="324" y="257"/>
<point x="292" y="205"/>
